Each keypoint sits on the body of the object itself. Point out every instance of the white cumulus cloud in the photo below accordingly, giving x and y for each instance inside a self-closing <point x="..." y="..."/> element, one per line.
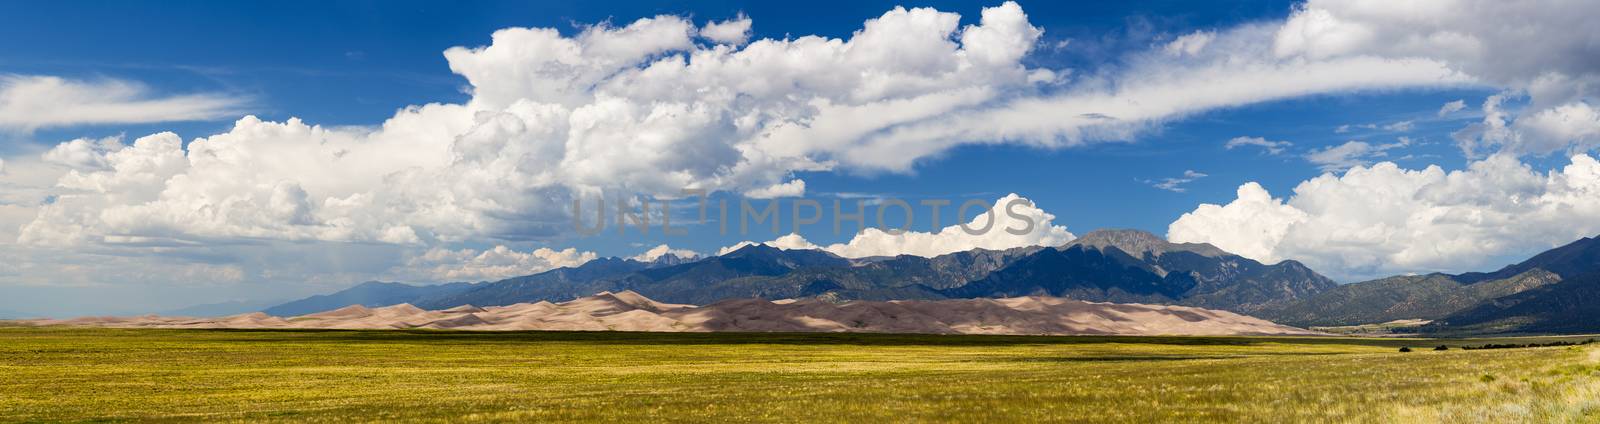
<point x="663" y="250"/>
<point x="1013" y="221"/>
<point x="643" y="108"/>
<point x="440" y="264"/>
<point x="639" y="108"/>
<point x="786" y="242"/>
<point x="1574" y="127"/>
<point x="1190" y="44"/>
<point x="1384" y="220"/>
<point x="1542" y="50"/>
<point x="85" y="154"/>
<point x="733" y="31"/>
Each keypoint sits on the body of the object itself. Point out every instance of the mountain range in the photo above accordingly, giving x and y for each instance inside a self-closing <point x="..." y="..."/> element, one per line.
<point x="1555" y="291"/>
<point x="371" y="293"/>
<point x="1102" y="266"/>
<point x="1552" y="292"/>
<point x="1136" y="266"/>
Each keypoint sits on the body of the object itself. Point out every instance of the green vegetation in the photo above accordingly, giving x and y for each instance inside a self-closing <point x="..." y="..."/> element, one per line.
<point x="80" y="374"/>
<point x="1402" y="299"/>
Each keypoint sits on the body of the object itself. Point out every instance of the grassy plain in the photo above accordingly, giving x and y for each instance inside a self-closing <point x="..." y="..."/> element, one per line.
<point x="82" y="374"/>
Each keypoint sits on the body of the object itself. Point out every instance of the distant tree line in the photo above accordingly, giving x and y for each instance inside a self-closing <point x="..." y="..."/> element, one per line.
<point x="1523" y="345"/>
<point x="1511" y="345"/>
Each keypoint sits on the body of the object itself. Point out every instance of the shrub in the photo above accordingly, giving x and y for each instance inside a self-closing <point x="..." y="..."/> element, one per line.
<point x="1405" y="349"/>
<point x="1527" y="345"/>
<point x="1442" y="347"/>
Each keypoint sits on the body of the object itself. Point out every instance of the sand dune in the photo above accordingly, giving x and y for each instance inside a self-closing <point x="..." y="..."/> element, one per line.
<point x="629" y="311"/>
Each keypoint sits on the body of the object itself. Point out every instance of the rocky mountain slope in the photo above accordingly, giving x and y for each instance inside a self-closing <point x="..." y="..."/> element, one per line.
<point x="1425" y="297"/>
<point x="1545" y="293"/>
<point x="1570" y="306"/>
<point x="1136" y="266"/>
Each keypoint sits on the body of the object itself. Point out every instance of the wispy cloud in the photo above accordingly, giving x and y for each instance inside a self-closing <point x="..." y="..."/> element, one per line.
<point x="1271" y="147"/>
<point x="1352" y="154"/>
<point x="1452" y="107"/>
<point x="1402" y="126"/>
<point x="1175" y="184"/>
<point x="29" y="102"/>
<point x="1394" y="127"/>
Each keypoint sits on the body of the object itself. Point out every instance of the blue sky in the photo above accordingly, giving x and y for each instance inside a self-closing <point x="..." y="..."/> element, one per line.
<point x="350" y="66"/>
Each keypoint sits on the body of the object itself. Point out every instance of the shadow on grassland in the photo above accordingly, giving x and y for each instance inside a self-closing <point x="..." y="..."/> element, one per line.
<point x="741" y="338"/>
<point x="731" y="338"/>
<point x="1123" y="358"/>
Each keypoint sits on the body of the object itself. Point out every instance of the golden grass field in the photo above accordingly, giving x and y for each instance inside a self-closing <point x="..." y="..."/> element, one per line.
<point x="84" y="374"/>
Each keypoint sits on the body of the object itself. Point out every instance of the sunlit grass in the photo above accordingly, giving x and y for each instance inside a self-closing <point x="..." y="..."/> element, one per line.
<point x="61" y="374"/>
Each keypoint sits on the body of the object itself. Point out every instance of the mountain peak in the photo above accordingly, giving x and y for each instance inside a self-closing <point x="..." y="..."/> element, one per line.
<point x="375" y="283"/>
<point x="754" y="249"/>
<point x="670" y="259"/>
<point x="1138" y="243"/>
<point x="1123" y="234"/>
